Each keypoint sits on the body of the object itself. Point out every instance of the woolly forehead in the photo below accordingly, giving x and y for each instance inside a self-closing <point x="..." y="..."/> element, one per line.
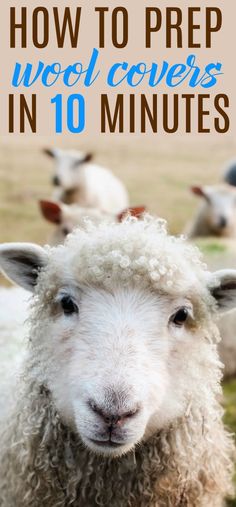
<point x="140" y="254"/>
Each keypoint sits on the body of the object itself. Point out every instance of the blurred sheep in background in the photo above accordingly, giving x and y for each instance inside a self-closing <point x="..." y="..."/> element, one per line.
<point x="66" y="218"/>
<point x="78" y="180"/>
<point x="216" y="215"/>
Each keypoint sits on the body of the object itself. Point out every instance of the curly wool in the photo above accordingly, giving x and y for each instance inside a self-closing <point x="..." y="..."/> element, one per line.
<point x="187" y="464"/>
<point x="182" y="465"/>
<point x="137" y="251"/>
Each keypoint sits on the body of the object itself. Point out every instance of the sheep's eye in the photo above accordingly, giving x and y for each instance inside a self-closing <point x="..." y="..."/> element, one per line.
<point x="65" y="231"/>
<point x="68" y="306"/>
<point x="180" y="317"/>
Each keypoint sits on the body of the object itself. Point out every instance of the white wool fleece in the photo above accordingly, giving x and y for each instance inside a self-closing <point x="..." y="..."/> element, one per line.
<point x="142" y="253"/>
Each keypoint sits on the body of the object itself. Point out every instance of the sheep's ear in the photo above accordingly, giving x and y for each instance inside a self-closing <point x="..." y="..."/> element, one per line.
<point x="50" y="152"/>
<point x="222" y="285"/>
<point x="136" y="211"/>
<point x="199" y="191"/>
<point x="88" y="157"/>
<point x="52" y="211"/>
<point x="21" y="263"/>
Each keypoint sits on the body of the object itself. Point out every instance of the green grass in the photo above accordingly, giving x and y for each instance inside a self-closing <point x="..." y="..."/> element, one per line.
<point x="213" y="248"/>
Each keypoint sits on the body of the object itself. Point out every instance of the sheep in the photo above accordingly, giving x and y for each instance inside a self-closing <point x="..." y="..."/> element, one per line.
<point x="66" y="218"/>
<point x="119" y="398"/>
<point x="217" y="214"/>
<point x="80" y="181"/>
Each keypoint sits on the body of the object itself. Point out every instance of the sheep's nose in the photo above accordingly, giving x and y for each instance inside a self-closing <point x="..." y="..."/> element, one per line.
<point x="115" y="418"/>
<point x="222" y="222"/>
<point x="56" y="181"/>
<point x="65" y="231"/>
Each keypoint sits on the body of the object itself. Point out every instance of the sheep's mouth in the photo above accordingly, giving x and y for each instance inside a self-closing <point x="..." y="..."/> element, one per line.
<point x="106" y="443"/>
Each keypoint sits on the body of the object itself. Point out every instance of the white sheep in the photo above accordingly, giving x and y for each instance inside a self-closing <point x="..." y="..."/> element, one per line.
<point x="78" y="180"/>
<point x="217" y="213"/>
<point x="118" y="404"/>
<point x="66" y="218"/>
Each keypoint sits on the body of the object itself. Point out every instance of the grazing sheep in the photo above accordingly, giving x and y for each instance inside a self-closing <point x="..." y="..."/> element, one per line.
<point x="230" y="173"/>
<point x="66" y="218"/>
<point x="217" y="214"/>
<point x="118" y="404"/>
<point x="80" y="181"/>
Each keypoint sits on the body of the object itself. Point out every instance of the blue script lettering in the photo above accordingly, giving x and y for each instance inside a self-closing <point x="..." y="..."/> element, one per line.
<point x="26" y="79"/>
<point x="51" y="73"/>
<point x="173" y="75"/>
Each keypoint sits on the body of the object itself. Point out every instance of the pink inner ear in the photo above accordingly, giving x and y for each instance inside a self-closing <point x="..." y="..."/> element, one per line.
<point x="197" y="191"/>
<point x="51" y="211"/>
<point x="49" y="152"/>
<point x="88" y="157"/>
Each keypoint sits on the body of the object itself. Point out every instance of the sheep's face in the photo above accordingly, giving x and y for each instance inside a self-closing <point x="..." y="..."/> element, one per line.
<point x="220" y="208"/>
<point x="67" y="167"/>
<point x="116" y="359"/>
<point x="122" y="330"/>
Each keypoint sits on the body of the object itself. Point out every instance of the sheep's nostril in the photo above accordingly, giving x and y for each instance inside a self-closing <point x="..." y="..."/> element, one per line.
<point x="66" y="231"/>
<point x="222" y="222"/>
<point x="113" y="419"/>
<point x="56" y="182"/>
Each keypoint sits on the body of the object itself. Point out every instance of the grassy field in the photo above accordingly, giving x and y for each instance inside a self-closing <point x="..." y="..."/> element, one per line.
<point x="156" y="174"/>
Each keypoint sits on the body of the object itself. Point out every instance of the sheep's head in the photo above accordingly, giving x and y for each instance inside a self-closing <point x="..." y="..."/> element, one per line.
<point x="122" y="328"/>
<point x="67" y="166"/>
<point x="220" y="208"/>
<point x="68" y="217"/>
